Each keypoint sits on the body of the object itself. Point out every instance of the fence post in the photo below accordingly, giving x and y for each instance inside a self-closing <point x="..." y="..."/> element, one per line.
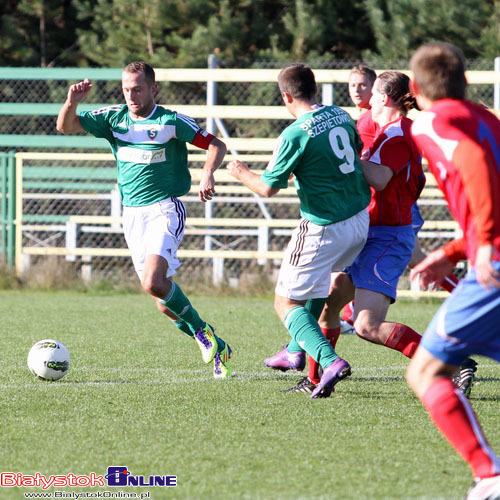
<point x="3" y="206"/>
<point x="496" y="86"/>
<point x="11" y="209"/>
<point x="218" y="267"/>
<point x="327" y="97"/>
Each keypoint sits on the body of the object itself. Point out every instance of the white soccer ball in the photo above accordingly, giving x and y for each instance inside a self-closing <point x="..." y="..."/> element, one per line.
<point x="49" y="360"/>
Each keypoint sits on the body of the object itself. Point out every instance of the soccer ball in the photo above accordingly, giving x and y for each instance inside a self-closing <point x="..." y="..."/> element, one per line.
<point x="48" y="359"/>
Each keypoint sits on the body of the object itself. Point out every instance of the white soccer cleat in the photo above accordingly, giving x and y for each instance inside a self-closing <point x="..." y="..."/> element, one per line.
<point x="485" y="489"/>
<point x="346" y="328"/>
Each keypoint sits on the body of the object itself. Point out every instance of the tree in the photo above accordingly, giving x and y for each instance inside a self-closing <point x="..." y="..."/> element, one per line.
<point x="400" y="26"/>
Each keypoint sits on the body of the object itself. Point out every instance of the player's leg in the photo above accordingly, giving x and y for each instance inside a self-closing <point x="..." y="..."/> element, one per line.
<point x="341" y="292"/>
<point x="370" y="311"/>
<point x="466" y="323"/>
<point x="307" y="275"/>
<point x="451" y="412"/>
<point x="305" y="332"/>
<point x="153" y="234"/>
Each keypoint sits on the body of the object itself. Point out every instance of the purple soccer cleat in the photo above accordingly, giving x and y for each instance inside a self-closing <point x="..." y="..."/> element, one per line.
<point x="337" y="371"/>
<point x="286" y="360"/>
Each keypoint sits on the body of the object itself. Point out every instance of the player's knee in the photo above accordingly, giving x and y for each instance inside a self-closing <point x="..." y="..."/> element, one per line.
<point x="154" y="286"/>
<point x="367" y="330"/>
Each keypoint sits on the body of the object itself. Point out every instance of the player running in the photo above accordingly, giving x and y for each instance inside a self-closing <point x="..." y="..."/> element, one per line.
<point x="320" y="148"/>
<point x="461" y="141"/>
<point x="149" y="144"/>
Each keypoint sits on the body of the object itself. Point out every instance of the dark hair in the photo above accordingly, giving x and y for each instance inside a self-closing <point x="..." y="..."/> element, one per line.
<point x="298" y="80"/>
<point x="141" y="67"/>
<point x="439" y="71"/>
<point x="397" y="86"/>
<point x="363" y="69"/>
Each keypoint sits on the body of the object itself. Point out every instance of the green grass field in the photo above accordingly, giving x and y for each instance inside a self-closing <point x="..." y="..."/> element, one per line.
<point x="138" y="395"/>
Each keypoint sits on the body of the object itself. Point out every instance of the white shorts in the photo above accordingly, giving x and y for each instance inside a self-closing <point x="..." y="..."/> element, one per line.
<point x="314" y="252"/>
<point x="155" y="229"/>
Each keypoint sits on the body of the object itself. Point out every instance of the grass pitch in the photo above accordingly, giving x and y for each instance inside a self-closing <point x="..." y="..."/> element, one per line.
<point x="138" y="395"/>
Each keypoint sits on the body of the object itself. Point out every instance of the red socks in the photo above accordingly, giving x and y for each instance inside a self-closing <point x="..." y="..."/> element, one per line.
<point x="453" y="415"/>
<point x="332" y="334"/>
<point x="348" y="312"/>
<point x="449" y="283"/>
<point x="403" y="339"/>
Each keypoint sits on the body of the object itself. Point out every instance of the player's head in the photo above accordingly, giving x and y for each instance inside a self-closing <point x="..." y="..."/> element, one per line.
<point x="361" y="79"/>
<point x="392" y="88"/>
<point x="298" y="80"/>
<point x="439" y="71"/>
<point x="139" y="87"/>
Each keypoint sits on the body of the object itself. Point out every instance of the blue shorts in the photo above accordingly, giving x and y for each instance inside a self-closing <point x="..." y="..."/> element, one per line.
<point x="384" y="258"/>
<point x="416" y="218"/>
<point x="468" y="322"/>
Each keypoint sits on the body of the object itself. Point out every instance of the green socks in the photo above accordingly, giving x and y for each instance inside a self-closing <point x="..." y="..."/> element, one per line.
<point x="179" y="304"/>
<point x="306" y="335"/>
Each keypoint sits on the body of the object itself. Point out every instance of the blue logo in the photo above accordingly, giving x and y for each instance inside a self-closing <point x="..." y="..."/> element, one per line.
<point x="120" y="476"/>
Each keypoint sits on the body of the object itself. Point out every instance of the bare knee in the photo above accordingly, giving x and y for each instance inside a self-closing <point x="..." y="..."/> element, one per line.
<point x="368" y="329"/>
<point x="156" y="286"/>
<point x="424" y="369"/>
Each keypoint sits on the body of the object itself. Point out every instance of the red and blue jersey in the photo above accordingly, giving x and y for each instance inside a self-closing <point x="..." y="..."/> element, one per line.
<point x="395" y="148"/>
<point x="461" y="141"/>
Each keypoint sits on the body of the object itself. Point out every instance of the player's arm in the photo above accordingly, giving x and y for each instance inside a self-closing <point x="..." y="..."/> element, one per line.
<point x="216" y="151"/>
<point x="482" y="202"/>
<point x="434" y="268"/>
<point x="377" y="176"/>
<point x="68" y="122"/>
<point x="251" y="180"/>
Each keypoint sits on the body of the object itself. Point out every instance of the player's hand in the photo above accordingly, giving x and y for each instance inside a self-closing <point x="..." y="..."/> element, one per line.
<point x="78" y="91"/>
<point x="236" y="168"/>
<point x="433" y="269"/>
<point x="207" y="186"/>
<point x="486" y="275"/>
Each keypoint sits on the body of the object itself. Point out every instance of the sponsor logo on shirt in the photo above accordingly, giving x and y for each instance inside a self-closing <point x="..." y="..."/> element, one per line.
<point x="143" y="156"/>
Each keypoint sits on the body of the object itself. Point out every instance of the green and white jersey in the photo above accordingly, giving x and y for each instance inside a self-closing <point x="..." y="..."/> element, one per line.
<point x="321" y="150"/>
<point x="151" y="154"/>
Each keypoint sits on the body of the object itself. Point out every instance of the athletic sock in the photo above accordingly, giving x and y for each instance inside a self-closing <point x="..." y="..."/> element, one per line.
<point x="453" y="415"/>
<point x="313" y="373"/>
<point x="403" y="339"/>
<point x="179" y="304"/>
<point x="304" y="329"/>
<point x="348" y="313"/>
<point x="449" y="283"/>
<point x="183" y="327"/>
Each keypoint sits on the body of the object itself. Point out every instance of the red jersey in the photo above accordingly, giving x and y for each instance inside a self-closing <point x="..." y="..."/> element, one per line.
<point x="461" y="141"/>
<point x="395" y="148"/>
<point x="367" y="128"/>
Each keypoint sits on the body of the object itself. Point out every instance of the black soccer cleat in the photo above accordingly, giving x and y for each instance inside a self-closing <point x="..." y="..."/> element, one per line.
<point x="305" y="386"/>
<point x="464" y="376"/>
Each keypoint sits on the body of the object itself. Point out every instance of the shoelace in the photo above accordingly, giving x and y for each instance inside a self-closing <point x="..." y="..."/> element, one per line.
<point x="203" y="339"/>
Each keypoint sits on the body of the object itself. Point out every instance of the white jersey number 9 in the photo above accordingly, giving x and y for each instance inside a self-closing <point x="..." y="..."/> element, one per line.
<point x="341" y="146"/>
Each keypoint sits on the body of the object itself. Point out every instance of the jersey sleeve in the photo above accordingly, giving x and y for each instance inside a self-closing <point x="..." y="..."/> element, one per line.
<point x="478" y="187"/>
<point x="455" y="250"/>
<point x="393" y="153"/>
<point x="282" y="164"/>
<point x="97" y="122"/>
<point x="186" y="128"/>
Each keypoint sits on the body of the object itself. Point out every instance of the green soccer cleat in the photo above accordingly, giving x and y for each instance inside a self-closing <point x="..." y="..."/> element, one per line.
<point x="207" y="342"/>
<point x="221" y="363"/>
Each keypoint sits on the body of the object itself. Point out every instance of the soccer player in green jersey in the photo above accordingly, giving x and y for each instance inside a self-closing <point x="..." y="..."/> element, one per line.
<point x="149" y="144"/>
<point x="320" y="148"/>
